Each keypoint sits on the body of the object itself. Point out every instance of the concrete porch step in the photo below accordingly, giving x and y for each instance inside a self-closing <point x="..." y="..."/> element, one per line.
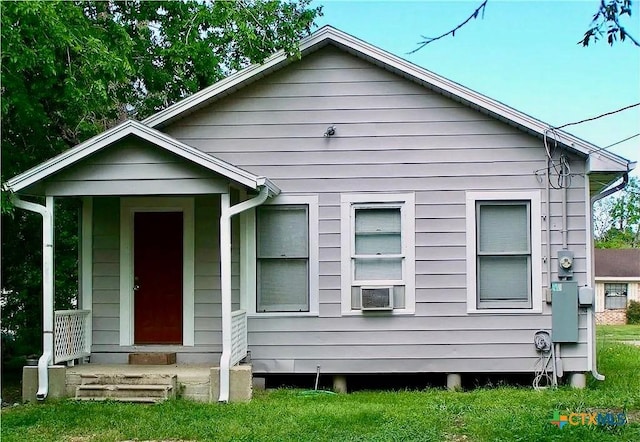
<point x="128" y="379"/>
<point x="131" y="399"/>
<point x="125" y="392"/>
<point x="155" y="358"/>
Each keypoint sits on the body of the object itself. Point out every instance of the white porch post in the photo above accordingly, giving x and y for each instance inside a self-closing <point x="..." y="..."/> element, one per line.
<point x="226" y="212"/>
<point x="47" y="302"/>
<point x="47" y="289"/>
<point x="86" y="266"/>
<point x="225" y="288"/>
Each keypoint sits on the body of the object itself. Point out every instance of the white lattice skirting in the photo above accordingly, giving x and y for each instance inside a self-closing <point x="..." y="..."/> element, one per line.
<point x="70" y="335"/>
<point x="238" y="336"/>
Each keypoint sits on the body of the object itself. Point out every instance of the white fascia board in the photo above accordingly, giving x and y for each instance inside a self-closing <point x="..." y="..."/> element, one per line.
<point x="153" y="136"/>
<point x="601" y="162"/>
<point x="604" y="279"/>
<point x="68" y="157"/>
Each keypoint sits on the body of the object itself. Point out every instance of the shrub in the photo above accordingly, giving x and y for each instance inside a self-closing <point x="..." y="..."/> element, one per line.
<point x="633" y="312"/>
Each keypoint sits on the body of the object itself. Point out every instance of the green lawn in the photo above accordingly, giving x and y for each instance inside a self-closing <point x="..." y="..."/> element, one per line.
<point x="619" y="332"/>
<point x="494" y="414"/>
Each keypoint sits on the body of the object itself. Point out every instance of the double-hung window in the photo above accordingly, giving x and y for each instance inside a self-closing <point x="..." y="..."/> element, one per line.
<point x="282" y="258"/>
<point x="503" y="259"/>
<point x="378" y="251"/>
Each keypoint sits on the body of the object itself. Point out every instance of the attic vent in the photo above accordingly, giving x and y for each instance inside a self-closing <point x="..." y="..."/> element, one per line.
<point x="376" y="298"/>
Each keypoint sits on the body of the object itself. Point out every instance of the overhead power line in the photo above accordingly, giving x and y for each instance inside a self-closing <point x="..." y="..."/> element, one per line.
<point x="614" y="144"/>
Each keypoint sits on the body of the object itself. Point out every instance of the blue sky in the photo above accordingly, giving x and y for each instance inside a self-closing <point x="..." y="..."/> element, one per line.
<point x="523" y="53"/>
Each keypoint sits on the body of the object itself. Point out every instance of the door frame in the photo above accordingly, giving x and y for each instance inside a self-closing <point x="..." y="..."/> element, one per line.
<point x="128" y="207"/>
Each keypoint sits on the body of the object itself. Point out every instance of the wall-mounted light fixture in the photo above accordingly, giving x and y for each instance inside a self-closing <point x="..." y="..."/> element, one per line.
<point x="331" y="130"/>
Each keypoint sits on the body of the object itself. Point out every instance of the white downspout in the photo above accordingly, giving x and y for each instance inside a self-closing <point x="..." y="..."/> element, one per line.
<point x="227" y="212"/>
<point x="591" y="329"/>
<point x="47" y="290"/>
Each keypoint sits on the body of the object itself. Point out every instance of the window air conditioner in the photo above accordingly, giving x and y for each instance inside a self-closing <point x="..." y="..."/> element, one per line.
<point x="376" y="298"/>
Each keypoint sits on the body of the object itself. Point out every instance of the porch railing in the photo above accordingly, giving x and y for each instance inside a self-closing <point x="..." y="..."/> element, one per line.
<point x="238" y="336"/>
<point x="70" y="335"/>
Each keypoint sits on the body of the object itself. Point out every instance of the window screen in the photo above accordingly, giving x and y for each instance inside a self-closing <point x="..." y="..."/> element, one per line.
<point x="282" y="258"/>
<point x="503" y="254"/>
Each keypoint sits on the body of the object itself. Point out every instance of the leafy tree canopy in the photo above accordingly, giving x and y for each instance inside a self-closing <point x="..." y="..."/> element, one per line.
<point x="617" y="219"/>
<point x="73" y="69"/>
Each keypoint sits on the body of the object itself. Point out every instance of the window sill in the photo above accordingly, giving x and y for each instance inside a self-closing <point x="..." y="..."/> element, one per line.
<point x="379" y="313"/>
<point x="281" y="314"/>
<point x="505" y="311"/>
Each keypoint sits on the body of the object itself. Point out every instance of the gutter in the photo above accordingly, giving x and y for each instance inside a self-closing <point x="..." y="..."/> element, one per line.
<point x="591" y="329"/>
<point x="47" y="289"/>
<point x="225" y="276"/>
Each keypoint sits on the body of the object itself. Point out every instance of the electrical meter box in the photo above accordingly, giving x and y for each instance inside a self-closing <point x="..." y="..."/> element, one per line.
<point x="564" y="310"/>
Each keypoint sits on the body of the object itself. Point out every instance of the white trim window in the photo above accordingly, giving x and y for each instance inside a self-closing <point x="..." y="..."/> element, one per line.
<point x="503" y="251"/>
<point x="282" y="233"/>
<point x="378" y="252"/>
<point x="279" y="276"/>
<point x="615" y="296"/>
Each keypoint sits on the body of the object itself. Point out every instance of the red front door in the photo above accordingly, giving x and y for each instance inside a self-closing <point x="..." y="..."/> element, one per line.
<point x="158" y="277"/>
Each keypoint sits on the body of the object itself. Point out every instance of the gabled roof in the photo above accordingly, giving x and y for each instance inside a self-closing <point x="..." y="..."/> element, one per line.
<point x="159" y="139"/>
<point x="601" y="161"/>
<point x="620" y="263"/>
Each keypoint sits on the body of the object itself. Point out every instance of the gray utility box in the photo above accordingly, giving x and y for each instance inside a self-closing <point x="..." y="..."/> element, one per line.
<point x="586" y="296"/>
<point x="564" y="309"/>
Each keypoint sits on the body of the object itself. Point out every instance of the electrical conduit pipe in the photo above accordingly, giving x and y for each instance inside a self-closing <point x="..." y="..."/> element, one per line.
<point x="47" y="289"/>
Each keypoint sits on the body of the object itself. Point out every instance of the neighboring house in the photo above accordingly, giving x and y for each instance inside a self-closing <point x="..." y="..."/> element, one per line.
<point x="347" y="210"/>
<point x="617" y="283"/>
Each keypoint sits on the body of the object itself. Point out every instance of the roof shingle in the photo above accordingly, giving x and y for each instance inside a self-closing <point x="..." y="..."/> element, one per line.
<point x="622" y="263"/>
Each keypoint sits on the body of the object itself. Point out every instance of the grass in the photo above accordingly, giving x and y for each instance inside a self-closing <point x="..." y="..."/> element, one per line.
<point x="619" y="332"/>
<point x="486" y="414"/>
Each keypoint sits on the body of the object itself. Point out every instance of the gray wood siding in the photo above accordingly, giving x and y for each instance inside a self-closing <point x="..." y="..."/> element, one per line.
<point x="134" y="167"/>
<point x="392" y="136"/>
<point x="106" y="271"/>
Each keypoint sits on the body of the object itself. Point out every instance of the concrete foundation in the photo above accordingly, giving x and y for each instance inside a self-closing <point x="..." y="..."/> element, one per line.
<point x="57" y="383"/>
<point x="578" y="380"/>
<point x="259" y="383"/>
<point x="240" y="385"/>
<point x="454" y="381"/>
<point x="340" y="384"/>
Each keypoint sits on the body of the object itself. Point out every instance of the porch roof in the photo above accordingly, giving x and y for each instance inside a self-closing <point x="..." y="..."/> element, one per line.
<point x="161" y="140"/>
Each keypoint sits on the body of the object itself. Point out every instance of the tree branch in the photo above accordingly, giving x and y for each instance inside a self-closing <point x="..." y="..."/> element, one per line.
<point x="609" y="14"/>
<point x="474" y="15"/>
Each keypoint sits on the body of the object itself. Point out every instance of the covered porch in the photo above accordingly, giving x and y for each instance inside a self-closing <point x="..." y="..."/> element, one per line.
<point x="159" y="254"/>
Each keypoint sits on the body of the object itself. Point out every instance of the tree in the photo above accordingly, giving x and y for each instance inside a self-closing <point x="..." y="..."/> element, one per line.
<point x="617" y="219"/>
<point x="606" y="21"/>
<point x="73" y="69"/>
